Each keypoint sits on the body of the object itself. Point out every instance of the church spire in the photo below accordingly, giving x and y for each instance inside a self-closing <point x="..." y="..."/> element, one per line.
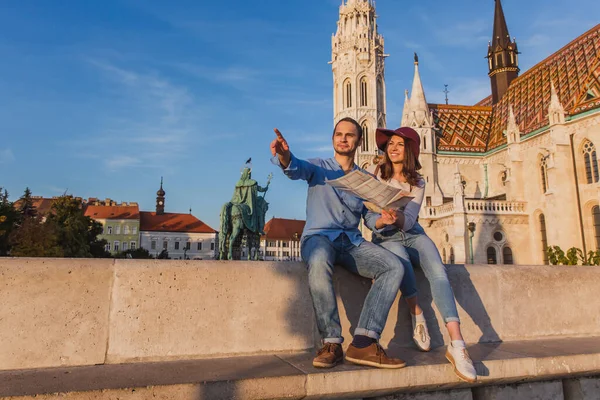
<point x="418" y="114"/>
<point x="503" y="59"/>
<point x="160" y="199"/>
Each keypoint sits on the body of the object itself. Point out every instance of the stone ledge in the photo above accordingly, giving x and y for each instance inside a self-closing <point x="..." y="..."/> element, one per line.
<point x="292" y="375"/>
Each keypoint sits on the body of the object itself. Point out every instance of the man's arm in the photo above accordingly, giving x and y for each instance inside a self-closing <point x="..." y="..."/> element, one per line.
<point x="292" y="167"/>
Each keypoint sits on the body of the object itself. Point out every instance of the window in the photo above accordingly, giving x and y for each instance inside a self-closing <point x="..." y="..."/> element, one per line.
<point x="118" y="230"/>
<point x="107" y="247"/>
<point x="212" y="246"/>
<point x="544" y="173"/>
<point x="428" y="201"/>
<point x="286" y="253"/>
<point x="116" y="246"/>
<point x="124" y="246"/>
<point x="491" y="255"/>
<point x="176" y="245"/>
<point x="444" y="256"/>
<point x="498" y="236"/>
<point x="126" y="230"/>
<point x="132" y="245"/>
<point x="199" y="246"/>
<point x="284" y="244"/>
<point x="365" y="137"/>
<point x="270" y="253"/>
<point x="591" y="162"/>
<point x="348" y="94"/>
<point x="544" y="238"/>
<point x="451" y="255"/>
<point x="188" y="245"/>
<point x="380" y="95"/>
<point x="134" y="230"/>
<point x="165" y="245"/>
<point x="153" y="245"/>
<point x="507" y="256"/>
<point x="363" y="92"/>
<point x="596" y="215"/>
<point x="110" y="230"/>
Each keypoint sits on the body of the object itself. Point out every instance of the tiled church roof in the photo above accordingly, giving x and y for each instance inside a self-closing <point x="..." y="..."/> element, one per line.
<point x="575" y="72"/>
<point x="462" y="128"/>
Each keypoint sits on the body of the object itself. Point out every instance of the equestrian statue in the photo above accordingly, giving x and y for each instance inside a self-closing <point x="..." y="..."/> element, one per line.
<point x="243" y="218"/>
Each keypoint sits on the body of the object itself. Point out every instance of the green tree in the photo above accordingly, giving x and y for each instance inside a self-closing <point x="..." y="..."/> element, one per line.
<point x="164" y="255"/>
<point x="9" y="217"/>
<point x="138" y="253"/>
<point x="77" y="234"/>
<point x="34" y="238"/>
<point x="26" y="207"/>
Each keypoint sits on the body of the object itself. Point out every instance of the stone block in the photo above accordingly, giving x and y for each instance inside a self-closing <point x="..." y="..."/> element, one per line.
<point x="54" y="311"/>
<point x="458" y="394"/>
<point x="165" y="310"/>
<point x="551" y="390"/>
<point x="582" y="388"/>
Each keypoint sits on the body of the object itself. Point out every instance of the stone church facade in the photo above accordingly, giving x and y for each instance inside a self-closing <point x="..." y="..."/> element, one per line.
<point x="506" y="177"/>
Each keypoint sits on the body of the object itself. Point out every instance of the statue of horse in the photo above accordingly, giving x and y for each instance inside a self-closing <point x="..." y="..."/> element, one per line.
<point x="233" y="230"/>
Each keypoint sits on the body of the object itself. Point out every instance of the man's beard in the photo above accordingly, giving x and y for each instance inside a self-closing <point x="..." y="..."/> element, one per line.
<point x="347" y="153"/>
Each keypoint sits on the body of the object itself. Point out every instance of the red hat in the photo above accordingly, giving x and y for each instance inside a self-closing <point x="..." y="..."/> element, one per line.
<point x="414" y="141"/>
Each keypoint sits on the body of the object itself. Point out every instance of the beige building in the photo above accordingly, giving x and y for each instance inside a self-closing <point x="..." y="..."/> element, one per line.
<point x="518" y="171"/>
<point x="281" y="241"/>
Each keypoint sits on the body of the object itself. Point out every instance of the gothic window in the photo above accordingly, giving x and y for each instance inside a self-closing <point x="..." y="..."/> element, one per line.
<point x="499" y="60"/>
<point x="348" y="94"/>
<point x="591" y="162"/>
<point x="507" y="256"/>
<point x="451" y="255"/>
<point x="444" y="256"/>
<point x="365" y="137"/>
<point x="363" y="92"/>
<point x="596" y="216"/>
<point x="544" y="238"/>
<point x="380" y="95"/>
<point x="544" y="173"/>
<point x="491" y="255"/>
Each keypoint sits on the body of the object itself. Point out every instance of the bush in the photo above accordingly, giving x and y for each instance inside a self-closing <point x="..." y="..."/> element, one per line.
<point x="573" y="256"/>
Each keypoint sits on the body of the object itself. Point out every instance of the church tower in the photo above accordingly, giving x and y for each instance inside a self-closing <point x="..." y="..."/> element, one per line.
<point x="503" y="56"/>
<point x="160" y="199"/>
<point x="357" y="61"/>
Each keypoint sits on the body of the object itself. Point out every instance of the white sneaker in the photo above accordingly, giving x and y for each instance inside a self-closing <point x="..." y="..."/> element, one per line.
<point x="460" y="360"/>
<point x="421" y="334"/>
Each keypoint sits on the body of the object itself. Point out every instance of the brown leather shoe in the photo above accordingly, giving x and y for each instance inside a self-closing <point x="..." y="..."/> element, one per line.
<point x="330" y="355"/>
<point x="373" y="356"/>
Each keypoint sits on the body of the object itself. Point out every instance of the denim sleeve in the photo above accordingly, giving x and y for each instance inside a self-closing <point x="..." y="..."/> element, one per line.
<point x="297" y="169"/>
<point x="371" y="218"/>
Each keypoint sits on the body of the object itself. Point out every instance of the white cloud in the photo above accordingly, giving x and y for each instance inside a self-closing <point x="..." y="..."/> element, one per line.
<point x="6" y="156"/>
<point x="118" y="162"/>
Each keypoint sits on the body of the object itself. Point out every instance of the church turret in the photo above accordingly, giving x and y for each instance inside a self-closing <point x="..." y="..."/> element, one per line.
<point x="160" y="199"/>
<point x="357" y="62"/>
<point x="418" y="113"/>
<point x="503" y="56"/>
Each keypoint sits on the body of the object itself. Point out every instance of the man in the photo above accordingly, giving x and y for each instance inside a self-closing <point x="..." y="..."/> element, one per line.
<point x="331" y="237"/>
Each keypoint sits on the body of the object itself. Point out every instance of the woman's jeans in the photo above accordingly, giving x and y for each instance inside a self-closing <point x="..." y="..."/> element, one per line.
<point x="368" y="260"/>
<point x="416" y="246"/>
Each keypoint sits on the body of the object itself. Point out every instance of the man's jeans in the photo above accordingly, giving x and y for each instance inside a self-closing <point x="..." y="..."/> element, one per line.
<point x="416" y="246"/>
<point x="367" y="260"/>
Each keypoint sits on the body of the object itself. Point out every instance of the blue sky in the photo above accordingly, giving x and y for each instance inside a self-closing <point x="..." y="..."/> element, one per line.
<point x="102" y="98"/>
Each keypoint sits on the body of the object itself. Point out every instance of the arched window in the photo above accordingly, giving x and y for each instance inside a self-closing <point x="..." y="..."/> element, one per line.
<point x="591" y="162"/>
<point x="544" y="173"/>
<point x="365" y="137"/>
<point x="444" y="256"/>
<point x="596" y="216"/>
<point x="544" y="238"/>
<point x="380" y="95"/>
<point x="507" y="257"/>
<point x="491" y="255"/>
<point x="451" y="255"/>
<point x="347" y="94"/>
<point x="363" y="92"/>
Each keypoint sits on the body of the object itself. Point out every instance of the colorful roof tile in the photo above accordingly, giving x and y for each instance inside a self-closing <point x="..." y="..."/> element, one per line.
<point x="172" y="222"/>
<point x="461" y="128"/>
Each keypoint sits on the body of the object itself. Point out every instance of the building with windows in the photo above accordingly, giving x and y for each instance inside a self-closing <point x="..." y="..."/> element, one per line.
<point x="120" y="223"/>
<point x="281" y="241"/>
<point x="182" y="235"/>
<point x="506" y="177"/>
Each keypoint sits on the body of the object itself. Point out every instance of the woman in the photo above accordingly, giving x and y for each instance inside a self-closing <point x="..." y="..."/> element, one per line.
<point x="399" y="232"/>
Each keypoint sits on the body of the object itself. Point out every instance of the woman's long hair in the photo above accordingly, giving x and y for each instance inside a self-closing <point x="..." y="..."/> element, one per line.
<point x="410" y="165"/>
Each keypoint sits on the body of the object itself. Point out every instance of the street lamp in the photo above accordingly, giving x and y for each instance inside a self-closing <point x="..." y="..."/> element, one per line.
<point x="471" y="228"/>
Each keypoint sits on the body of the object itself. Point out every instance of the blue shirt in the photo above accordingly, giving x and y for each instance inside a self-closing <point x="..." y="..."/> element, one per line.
<point x="329" y="211"/>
